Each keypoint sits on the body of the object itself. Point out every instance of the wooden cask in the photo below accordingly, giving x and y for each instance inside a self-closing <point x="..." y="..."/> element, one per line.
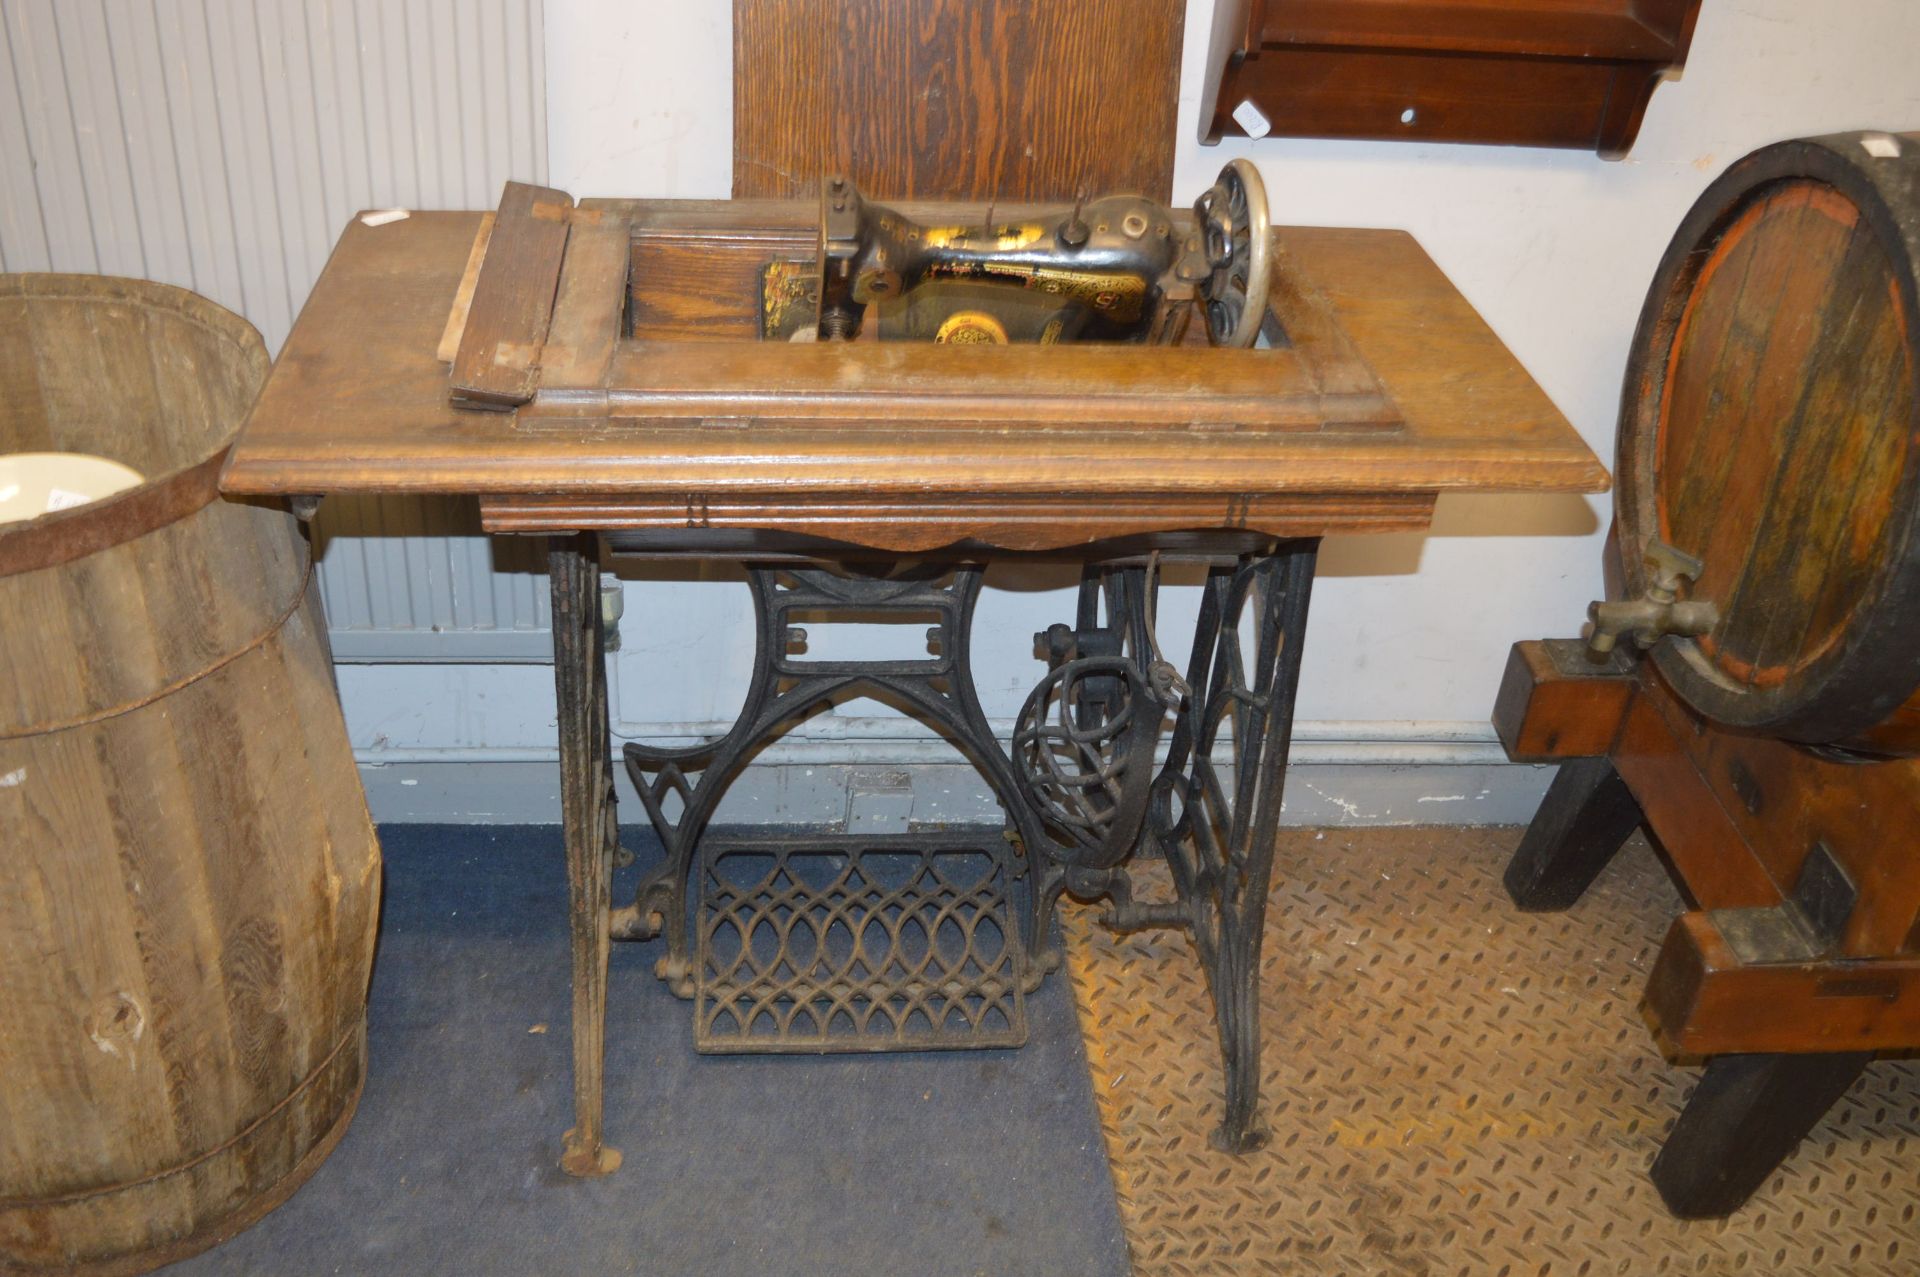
<point x="1770" y="428"/>
<point x="190" y="876"/>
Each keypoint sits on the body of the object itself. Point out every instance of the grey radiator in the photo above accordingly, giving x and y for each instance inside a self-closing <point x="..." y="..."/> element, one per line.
<point x="221" y="145"/>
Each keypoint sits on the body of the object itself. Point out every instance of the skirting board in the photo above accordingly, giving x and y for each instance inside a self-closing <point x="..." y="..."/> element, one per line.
<point x="883" y="799"/>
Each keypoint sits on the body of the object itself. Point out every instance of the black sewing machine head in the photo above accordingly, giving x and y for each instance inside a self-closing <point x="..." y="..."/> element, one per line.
<point x="1119" y="268"/>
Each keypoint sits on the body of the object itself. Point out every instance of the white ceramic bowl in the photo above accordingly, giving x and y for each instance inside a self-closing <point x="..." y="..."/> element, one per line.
<point x="37" y="483"/>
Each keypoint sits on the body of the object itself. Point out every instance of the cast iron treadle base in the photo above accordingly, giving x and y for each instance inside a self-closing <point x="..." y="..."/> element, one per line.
<point x="839" y="942"/>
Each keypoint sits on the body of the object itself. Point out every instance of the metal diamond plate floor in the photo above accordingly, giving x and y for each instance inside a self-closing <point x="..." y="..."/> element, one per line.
<point x="1453" y="1087"/>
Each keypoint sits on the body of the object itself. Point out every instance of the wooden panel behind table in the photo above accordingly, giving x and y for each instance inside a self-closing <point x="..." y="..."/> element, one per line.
<point x="957" y="99"/>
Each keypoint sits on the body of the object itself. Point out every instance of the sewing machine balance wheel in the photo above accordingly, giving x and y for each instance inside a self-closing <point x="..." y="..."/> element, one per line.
<point x="1232" y="214"/>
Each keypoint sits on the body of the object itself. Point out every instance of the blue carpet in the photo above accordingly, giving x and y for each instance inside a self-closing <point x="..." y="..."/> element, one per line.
<point x="970" y="1162"/>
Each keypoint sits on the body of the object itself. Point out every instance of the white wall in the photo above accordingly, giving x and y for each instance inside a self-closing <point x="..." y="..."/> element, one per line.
<point x="640" y="97"/>
<point x="1556" y="248"/>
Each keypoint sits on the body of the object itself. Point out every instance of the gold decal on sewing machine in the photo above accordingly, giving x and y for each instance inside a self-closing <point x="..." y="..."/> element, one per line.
<point x="974" y="327"/>
<point x="1120" y="296"/>
<point x="789" y="297"/>
<point x="1008" y="238"/>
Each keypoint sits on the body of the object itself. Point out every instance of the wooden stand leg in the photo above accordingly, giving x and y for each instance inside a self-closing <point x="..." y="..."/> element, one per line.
<point x="1747" y="1114"/>
<point x="586" y="780"/>
<point x="1587" y="813"/>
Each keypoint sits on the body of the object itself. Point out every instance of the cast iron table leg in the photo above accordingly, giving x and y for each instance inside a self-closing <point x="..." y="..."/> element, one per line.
<point x="1216" y="824"/>
<point x="1747" y="1114"/>
<point x="1265" y="740"/>
<point x="587" y="816"/>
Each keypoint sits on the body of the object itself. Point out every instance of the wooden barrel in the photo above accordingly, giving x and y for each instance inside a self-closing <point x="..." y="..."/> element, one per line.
<point x="1770" y="428"/>
<point x="188" y="877"/>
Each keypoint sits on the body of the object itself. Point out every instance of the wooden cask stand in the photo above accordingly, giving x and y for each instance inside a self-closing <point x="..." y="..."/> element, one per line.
<point x="1766" y="557"/>
<point x="1786" y="1004"/>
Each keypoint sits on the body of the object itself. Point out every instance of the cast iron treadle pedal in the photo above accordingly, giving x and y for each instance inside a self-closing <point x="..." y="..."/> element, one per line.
<point x="857" y="942"/>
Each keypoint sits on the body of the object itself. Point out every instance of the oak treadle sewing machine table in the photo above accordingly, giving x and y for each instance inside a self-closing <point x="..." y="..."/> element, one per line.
<point x="627" y="387"/>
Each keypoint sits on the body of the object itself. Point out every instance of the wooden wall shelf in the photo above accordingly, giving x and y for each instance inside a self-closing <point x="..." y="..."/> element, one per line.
<point x="1571" y="73"/>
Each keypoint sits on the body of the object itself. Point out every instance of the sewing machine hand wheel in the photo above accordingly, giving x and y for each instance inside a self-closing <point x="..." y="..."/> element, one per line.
<point x="1232" y="215"/>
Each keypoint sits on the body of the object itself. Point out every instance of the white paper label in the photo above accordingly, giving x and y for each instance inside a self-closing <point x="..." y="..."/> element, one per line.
<point x="1881" y="146"/>
<point x="1252" y="119"/>
<point x="61" y="499"/>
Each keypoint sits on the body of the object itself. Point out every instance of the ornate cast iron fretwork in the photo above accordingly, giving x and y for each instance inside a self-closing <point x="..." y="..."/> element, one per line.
<point x="1212" y="818"/>
<point x="1214" y="822"/>
<point x="851" y="942"/>
<point x="680" y="787"/>
<point x="856" y="943"/>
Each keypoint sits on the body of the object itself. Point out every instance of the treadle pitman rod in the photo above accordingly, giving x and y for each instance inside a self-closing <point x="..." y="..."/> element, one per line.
<point x="1079" y="792"/>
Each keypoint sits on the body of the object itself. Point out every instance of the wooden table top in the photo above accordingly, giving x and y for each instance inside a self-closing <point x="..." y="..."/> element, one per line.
<point x="894" y="445"/>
